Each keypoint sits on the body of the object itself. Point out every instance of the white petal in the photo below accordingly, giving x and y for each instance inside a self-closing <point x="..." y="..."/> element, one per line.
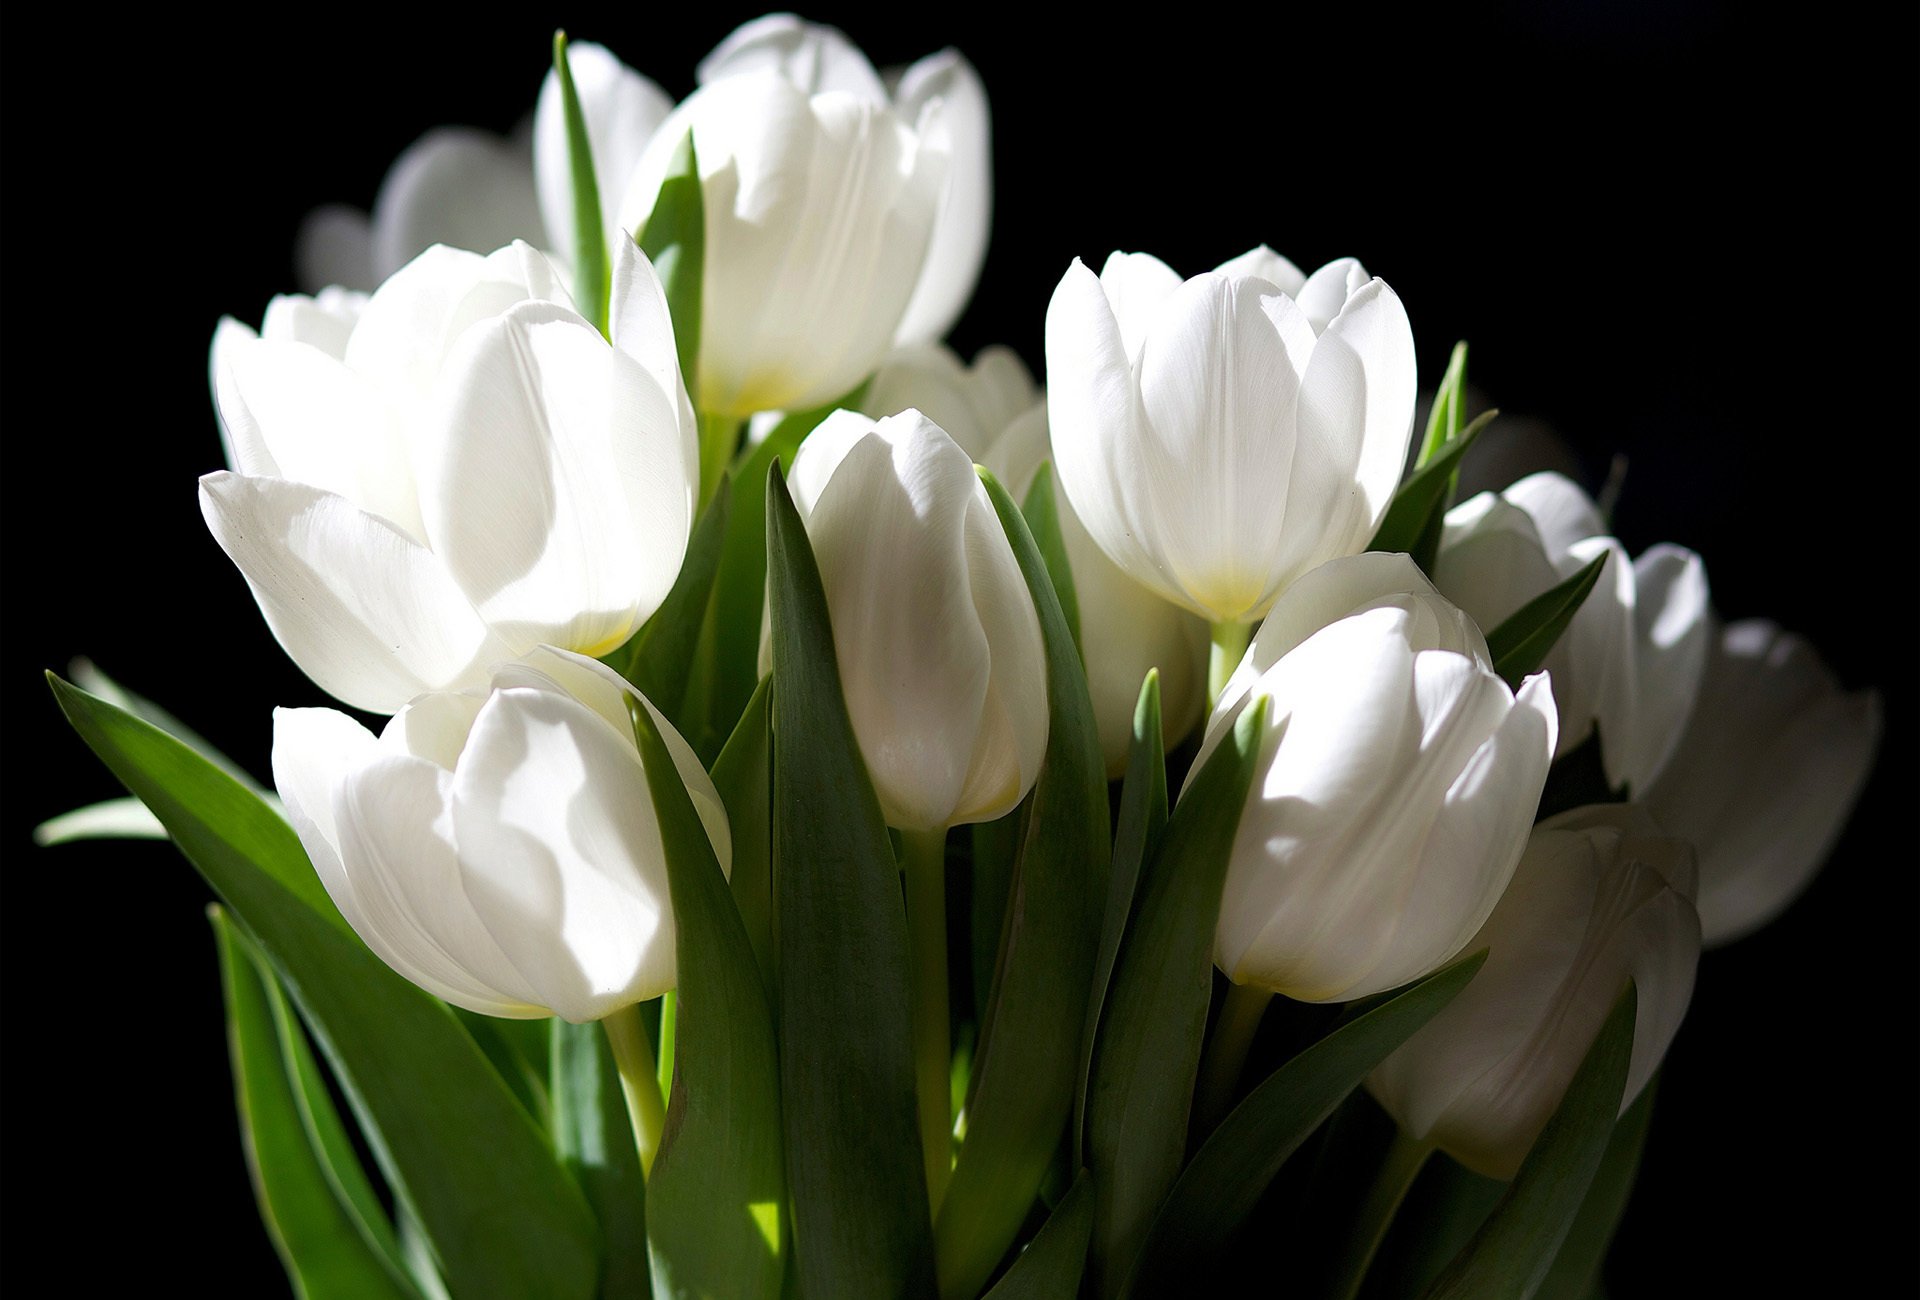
<point x="1267" y="265"/>
<point x="1672" y="634"/>
<point x="313" y="750"/>
<point x="641" y="326"/>
<point x="455" y="186"/>
<point x="1136" y="285"/>
<point x="973" y="404"/>
<point x="812" y="56"/>
<point x="622" y="110"/>
<point x="1561" y="511"/>
<point x="335" y="246"/>
<point x="367" y="612"/>
<point x="1326" y="291"/>
<point x="958" y="246"/>
<point x="239" y="432"/>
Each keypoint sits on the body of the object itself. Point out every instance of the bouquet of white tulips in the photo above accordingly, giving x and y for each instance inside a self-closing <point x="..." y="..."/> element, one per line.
<point x="849" y="823"/>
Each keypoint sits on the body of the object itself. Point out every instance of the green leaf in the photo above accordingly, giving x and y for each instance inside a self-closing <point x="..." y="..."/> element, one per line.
<point x="1051" y="1266"/>
<point x="1042" y="514"/>
<point x="989" y="883"/>
<point x="1143" y="816"/>
<point x="110" y="819"/>
<point x="715" y="1205"/>
<point x="1576" y="1269"/>
<point x="1147" y="1049"/>
<point x="523" y="1077"/>
<point x="656" y="658"/>
<point x="1449" y="408"/>
<point x="315" y="1234"/>
<point x="593" y="1136"/>
<point x="1446" y="1206"/>
<point x="1023" y="1083"/>
<point x="1521" y="644"/>
<point x="504" y="1218"/>
<point x="1514" y="1249"/>
<point x="743" y="774"/>
<point x="674" y="238"/>
<point x="860" y="1220"/>
<point x="1223" y="1182"/>
<point x="592" y="276"/>
<point x="1424" y="496"/>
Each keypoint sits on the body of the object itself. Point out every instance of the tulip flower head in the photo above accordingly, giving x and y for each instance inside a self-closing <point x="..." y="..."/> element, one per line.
<point x="1600" y="895"/>
<point x="972" y="404"/>
<point x="939" y="647"/>
<point x="497" y="846"/>
<point x="622" y="110"/>
<point x="1397" y="781"/>
<point x="458" y="472"/>
<point x="1222" y="436"/>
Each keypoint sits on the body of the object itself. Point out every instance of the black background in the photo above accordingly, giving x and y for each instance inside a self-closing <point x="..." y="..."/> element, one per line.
<point x="1677" y="230"/>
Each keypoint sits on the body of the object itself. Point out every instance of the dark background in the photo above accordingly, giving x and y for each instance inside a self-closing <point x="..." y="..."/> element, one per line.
<point x="1676" y="230"/>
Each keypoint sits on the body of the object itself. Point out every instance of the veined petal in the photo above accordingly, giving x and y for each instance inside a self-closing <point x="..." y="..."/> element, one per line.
<point x="325" y="320"/>
<point x="1326" y="291"/>
<point x="455" y="186"/>
<point x="958" y="245"/>
<point x="313" y="750"/>
<point x="1561" y="511"/>
<point x="812" y="56"/>
<point x="239" y="432"/>
<point x="1136" y="285"/>
<point x="1263" y="263"/>
<point x="973" y="404"/>
<point x="622" y="110"/>
<point x="641" y="326"/>
<point x="367" y="612"/>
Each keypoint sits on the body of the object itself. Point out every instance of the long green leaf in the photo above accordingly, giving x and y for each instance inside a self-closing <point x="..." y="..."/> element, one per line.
<point x="1576" y="1269"/>
<point x="1509" y="1257"/>
<point x="504" y="1218"/>
<point x="1522" y="642"/>
<point x="1042" y="514"/>
<point x="1023" y="1083"/>
<point x="592" y="273"/>
<point x="674" y="238"/>
<point x="1147" y="1049"/>
<point x="1425" y="494"/>
<point x="1143" y="816"/>
<point x="996" y="844"/>
<point x="743" y="774"/>
<point x="1222" y="1183"/>
<point x="525" y="1079"/>
<point x="312" y="1230"/>
<point x="1051" y="1266"/>
<point x="1446" y="1206"/>
<point x="593" y="1136"/>
<point x="716" y="1200"/>
<point x="656" y="658"/>
<point x="860" y="1217"/>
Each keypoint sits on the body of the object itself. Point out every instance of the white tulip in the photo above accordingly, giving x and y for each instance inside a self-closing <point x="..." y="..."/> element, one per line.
<point x="973" y="404"/>
<point x="1599" y="896"/>
<point x="819" y="58"/>
<point x="465" y="471"/>
<point x="1223" y="436"/>
<point x="1762" y="782"/>
<point x="1124" y="628"/>
<point x="454" y="185"/>
<point x="622" y="110"/>
<point x="1632" y="657"/>
<point x="1397" y="780"/>
<point x="817" y="213"/>
<point x="941" y="660"/>
<point x="498" y="847"/>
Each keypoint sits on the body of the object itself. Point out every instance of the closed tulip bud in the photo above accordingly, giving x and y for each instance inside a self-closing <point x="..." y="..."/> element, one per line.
<point x="1223" y="436"/>
<point x="1771" y="764"/>
<point x="498" y="846"/>
<point x="973" y="404"/>
<point x="465" y="470"/>
<point x="1125" y="630"/>
<point x="1631" y="660"/>
<point x="1599" y="896"/>
<point x="819" y="58"/>
<point x="621" y="108"/>
<point x="1397" y="780"/>
<point x="940" y="655"/>
<point x="818" y="210"/>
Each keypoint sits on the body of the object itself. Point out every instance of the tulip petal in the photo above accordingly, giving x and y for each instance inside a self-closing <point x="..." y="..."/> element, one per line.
<point x="1561" y="511"/>
<point x="958" y="245"/>
<point x="974" y="405"/>
<point x="367" y="612"/>
<point x="1672" y="634"/>
<point x="454" y="186"/>
<point x="335" y="246"/>
<point x="622" y="110"/>
<point x="812" y="56"/>
<point x="1135" y="286"/>
<point x="325" y="320"/>
<point x="1326" y="291"/>
<point x="1267" y="265"/>
<point x="240" y="437"/>
<point x="640" y="325"/>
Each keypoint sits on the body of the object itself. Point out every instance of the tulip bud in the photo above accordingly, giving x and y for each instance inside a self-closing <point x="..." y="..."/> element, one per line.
<point x="622" y="110"/>
<point x="817" y="214"/>
<point x="1761" y="784"/>
<point x="941" y="660"/>
<point x="1396" y="783"/>
<point x="1223" y="436"/>
<point x="973" y="404"/>
<point x="498" y="847"/>
<point x="1631" y="659"/>
<point x="1125" y="630"/>
<point x="1599" y="896"/>
<point x="464" y="471"/>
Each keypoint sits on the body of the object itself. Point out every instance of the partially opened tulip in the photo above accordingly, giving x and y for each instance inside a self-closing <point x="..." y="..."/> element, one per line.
<point x="973" y="404"/>
<point x="464" y="470"/>
<point x="1773" y="759"/>
<point x="1224" y="435"/>
<point x="1600" y="896"/>
<point x="1630" y="662"/>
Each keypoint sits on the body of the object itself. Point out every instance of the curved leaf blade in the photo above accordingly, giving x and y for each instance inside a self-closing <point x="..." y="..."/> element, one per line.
<point x="1576" y="1269"/>
<point x="593" y="1136"/>
<point x="1425" y="495"/>
<point x="657" y="657"/>
<point x="1521" y="643"/>
<point x="592" y="273"/>
<point x="1051" y="1266"/>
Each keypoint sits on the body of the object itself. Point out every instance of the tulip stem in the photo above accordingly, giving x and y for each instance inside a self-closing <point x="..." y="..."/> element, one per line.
<point x="924" y="857"/>
<point x="1404" y="1161"/>
<point x="639" y="1080"/>
<point x="719" y="437"/>
<point x="1229" y="647"/>
<point x="1226" y="1055"/>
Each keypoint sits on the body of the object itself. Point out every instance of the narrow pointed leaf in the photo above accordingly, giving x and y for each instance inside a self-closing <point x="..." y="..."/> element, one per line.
<point x="1425" y="494"/>
<point x="1051" y="1266"/>
<point x="674" y="238"/>
<point x="657" y="658"/>
<point x="1510" y="1255"/>
<point x="1147" y="1050"/>
<point x="593" y="1136"/>
<point x="1223" y="1182"/>
<point x="743" y="774"/>
<point x="526" y="1081"/>
<point x="110" y="819"/>
<point x="1023" y="1083"/>
<point x="989" y="882"/>
<point x="1042" y="514"/>
<point x="860" y="1221"/>
<point x="1446" y="1206"/>
<point x="503" y="1217"/>
<point x="592" y="272"/>
<point x="1576" y="1269"/>
<point x="1449" y="407"/>
<point x="1521" y="644"/>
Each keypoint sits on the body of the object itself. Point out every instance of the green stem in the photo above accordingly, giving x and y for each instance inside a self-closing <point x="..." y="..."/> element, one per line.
<point x="1229" y="646"/>
<point x="639" y="1080"/>
<point x="1404" y="1160"/>
<point x="668" y="1006"/>
<point x="924" y="856"/>
<point x="719" y="437"/>
<point x="1226" y="1055"/>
